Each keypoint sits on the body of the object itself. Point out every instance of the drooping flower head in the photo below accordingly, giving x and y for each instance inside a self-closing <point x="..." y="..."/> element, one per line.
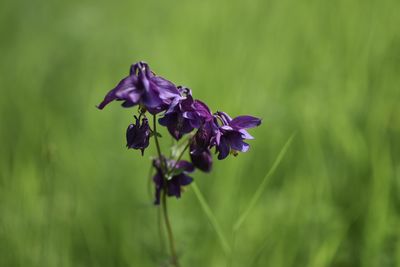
<point x="138" y="134"/>
<point x="200" y="153"/>
<point x="178" y="178"/>
<point x="232" y="133"/>
<point x="143" y="87"/>
<point x="202" y="160"/>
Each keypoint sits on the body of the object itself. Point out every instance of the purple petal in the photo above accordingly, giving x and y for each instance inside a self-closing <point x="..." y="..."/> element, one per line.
<point x="174" y="187"/>
<point x="167" y="120"/>
<point x="158" y="181"/>
<point x="242" y="122"/>
<point x="128" y="104"/>
<point x="151" y="99"/>
<point x="239" y="145"/>
<point x="124" y="85"/>
<point x="184" y="179"/>
<point x="185" y="165"/>
<point x="166" y="88"/>
<point x="236" y="141"/>
<point x="223" y="149"/>
<point x="245" y="134"/>
<point x="226" y="119"/>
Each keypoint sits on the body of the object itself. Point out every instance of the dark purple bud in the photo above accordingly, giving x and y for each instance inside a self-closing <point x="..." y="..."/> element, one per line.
<point x="138" y="135"/>
<point x="202" y="160"/>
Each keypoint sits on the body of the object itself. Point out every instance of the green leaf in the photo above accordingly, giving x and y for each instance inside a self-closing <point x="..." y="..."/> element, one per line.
<point x="213" y="220"/>
<point x="261" y="187"/>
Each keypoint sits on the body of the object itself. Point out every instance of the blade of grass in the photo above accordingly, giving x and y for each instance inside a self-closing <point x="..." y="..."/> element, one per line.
<point x="211" y="217"/>
<point x="261" y="187"/>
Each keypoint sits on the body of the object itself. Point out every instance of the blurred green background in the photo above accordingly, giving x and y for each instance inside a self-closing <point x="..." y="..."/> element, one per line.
<point x="71" y="194"/>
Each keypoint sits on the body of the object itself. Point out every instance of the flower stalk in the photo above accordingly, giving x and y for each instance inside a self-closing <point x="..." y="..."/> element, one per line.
<point x="171" y="241"/>
<point x="182" y="115"/>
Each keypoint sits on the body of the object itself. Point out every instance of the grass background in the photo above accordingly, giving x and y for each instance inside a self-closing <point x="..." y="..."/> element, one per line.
<point x="72" y="195"/>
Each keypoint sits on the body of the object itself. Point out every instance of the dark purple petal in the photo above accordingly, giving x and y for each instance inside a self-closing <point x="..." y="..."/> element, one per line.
<point x="185" y="165"/>
<point x="124" y="85"/>
<point x="223" y="148"/>
<point x="179" y="179"/>
<point x="245" y="134"/>
<point x="184" y="179"/>
<point x="128" y="104"/>
<point x="238" y="144"/>
<point x="158" y="181"/>
<point x="244" y="122"/>
<point x="166" y="88"/>
<point x="224" y="117"/>
<point x="174" y="187"/>
<point x="151" y="98"/>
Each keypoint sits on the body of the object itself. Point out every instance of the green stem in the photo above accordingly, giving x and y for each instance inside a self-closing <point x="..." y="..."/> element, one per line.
<point x="164" y="169"/>
<point x="179" y="158"/>
<point x="162" y="159"/>
<point x="174" y="259"/>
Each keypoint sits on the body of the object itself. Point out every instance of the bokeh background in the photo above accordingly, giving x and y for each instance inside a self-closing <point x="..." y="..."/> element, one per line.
<point x="71" y="194"/>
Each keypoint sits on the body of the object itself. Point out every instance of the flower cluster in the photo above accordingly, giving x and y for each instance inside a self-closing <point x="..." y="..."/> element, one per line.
<point x="183" y="116"/>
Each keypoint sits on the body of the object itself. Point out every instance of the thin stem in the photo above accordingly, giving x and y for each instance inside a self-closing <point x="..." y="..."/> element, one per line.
<point x="174" y="259"/>
<point x="179" y="158"/>
<point x="160" y="231"/>
<point x="164" y="168"/>
<point x="162" y="162"/>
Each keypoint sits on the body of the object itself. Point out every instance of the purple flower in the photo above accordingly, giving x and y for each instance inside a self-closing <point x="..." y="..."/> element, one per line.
<point x="231" y="133"/>
<point x="143" y="87"/>
<point x="185" y="114"/>
<point x="138" y="135"/>
<point x="179" y="178"/>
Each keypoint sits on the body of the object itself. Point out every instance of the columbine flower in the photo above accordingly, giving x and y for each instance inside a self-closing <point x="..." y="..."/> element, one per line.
<point x="174" y="184"/>
<point x="231" y="133"/>
<point x="185" y="114"/>
<point x="143" y="87"/>
<point x="138" y="135"/>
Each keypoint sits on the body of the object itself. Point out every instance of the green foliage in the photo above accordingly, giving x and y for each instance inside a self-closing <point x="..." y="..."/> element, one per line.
<point x="71" y="194"/>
